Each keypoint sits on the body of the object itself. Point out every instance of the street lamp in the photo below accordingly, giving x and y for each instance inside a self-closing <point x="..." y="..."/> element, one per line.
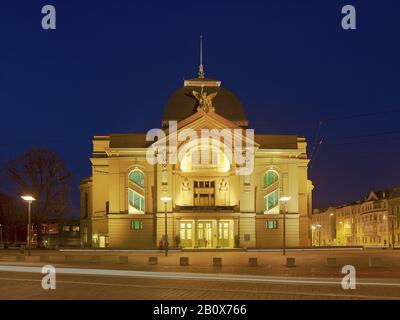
<point x="391" y="216"/>
<point x="313" y="235"/>
<point x="316" y="228"/>
<point x="319" y="234"/>
<point x="165" y="199"/>
<point x="284" y="199"/>
<point x="29" y="199"/>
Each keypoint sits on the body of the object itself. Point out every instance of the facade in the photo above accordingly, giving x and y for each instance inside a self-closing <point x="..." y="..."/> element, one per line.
<point x="61" y="233"/>
<point x="212" y="206"/>
<point x="372" y="221"/>
<point x="323" y="227"/>
<point x="57" y="233"/>
<point x="54" y="232"/>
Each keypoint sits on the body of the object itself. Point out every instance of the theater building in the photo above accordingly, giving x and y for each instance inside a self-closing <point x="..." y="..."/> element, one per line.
<point x="211" y="206"/>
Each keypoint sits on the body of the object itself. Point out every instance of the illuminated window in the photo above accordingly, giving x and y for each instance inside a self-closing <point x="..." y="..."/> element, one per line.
<point x="65" y="228"/>
<point x="75" y="228"/>
<point x="186" y="231"/>
<point x="137" y="225"/>
<point x="137" y="177"/>
<point x="270" y="177"/>
<point x="136" y="202"/>
<point x="271" y="199"/>
<point x="271" y="224"/>
<point x="271" y="202"/>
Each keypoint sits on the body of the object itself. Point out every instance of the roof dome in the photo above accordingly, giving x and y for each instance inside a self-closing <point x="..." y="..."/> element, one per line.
<point x="182" y="103"/>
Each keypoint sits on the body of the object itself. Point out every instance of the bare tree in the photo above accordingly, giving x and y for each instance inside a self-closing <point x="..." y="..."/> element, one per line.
<point x="42" y="173"/>
<point x="13" y="219"/>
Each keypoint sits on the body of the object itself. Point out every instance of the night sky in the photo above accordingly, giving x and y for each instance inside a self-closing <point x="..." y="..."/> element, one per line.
<point x="110" y="66"/>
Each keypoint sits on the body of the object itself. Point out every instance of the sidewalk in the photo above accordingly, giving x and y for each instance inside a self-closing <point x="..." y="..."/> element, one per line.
<point x="387" y="264"/>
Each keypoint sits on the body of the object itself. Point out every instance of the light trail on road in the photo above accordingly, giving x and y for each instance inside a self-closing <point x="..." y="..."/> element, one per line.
<point x="204" y="276"/>
<point x="216" y="290"/>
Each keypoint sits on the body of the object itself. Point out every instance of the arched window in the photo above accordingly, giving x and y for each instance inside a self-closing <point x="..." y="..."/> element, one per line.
<point x="270" y="177"/>
<point x="136" y="199"/>
<point x="271" y="199"/>
<point x="137" y="177"/>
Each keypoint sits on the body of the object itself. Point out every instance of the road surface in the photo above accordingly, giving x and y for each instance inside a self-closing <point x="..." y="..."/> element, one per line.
<point x="25" y="282"/>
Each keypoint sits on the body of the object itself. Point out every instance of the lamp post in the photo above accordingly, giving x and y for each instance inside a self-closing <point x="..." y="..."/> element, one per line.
<point x="332" y="228"/>
<point x="284" y="199"/>
<point x="313" y="235"/>
<point x="391" y="219"/>
<point x="319" y="234"/>
<point x="316" y="228"/>
<point x="165" y="199"/>
<point x="29" y="199"/>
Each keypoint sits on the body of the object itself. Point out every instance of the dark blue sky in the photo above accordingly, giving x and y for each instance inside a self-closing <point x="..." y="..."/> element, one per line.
<point x="111" y="65"/>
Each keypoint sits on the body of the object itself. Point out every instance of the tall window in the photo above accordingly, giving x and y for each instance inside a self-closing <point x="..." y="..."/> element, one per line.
<point x="137" y="177"/>
<point x="271" y="198"/>
<point x="270" y="177"/>
<point x="136" y="202"/>
<point x="271" y="201"/>
<point x="136" y="198"/>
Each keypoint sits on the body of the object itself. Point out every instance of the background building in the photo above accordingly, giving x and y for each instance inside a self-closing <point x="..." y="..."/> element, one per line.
<point x="323" y="227"/>
<point x="59" y="233"/>
<point x="372" y="221"/>
<point x="212" y="206"/>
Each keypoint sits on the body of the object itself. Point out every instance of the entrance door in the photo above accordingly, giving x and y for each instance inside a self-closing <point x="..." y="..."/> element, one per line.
<point x="102" y="242"/>
<point x="204" y="234"/>
<point x="186" y="234"/>
<point x="224" y="234"/>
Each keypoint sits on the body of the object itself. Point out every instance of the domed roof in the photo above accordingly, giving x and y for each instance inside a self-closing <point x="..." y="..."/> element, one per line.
<point x="182" y="103"/>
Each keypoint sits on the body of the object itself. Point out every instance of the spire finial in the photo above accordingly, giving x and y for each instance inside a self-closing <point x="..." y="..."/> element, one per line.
<point x="201" y="67"/>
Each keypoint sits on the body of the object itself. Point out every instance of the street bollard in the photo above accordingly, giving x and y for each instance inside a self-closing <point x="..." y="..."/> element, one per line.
<point x="44" y="258"/>
<point x="57" y="258"/>
<point x="123" y="259"/>
<point x="184" y="261"/>
<point x="217" y="262"/>
<point x="375" y="262"/>
<point x="32" y="258"/>
<point x="253" y="262"/>
<point x="9" y="257"/>
<point x="95" y="259"/>
<point x="20" y="258"/>
<point x="153" y="260"/>
<point x="22" y="249"/>
<point x="290" y="262"/>
<point x="331" y="262"/>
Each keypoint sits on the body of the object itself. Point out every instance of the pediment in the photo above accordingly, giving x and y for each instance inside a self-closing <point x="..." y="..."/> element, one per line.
<point x="372" y="196"/>
<point x="210" y="120"/>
